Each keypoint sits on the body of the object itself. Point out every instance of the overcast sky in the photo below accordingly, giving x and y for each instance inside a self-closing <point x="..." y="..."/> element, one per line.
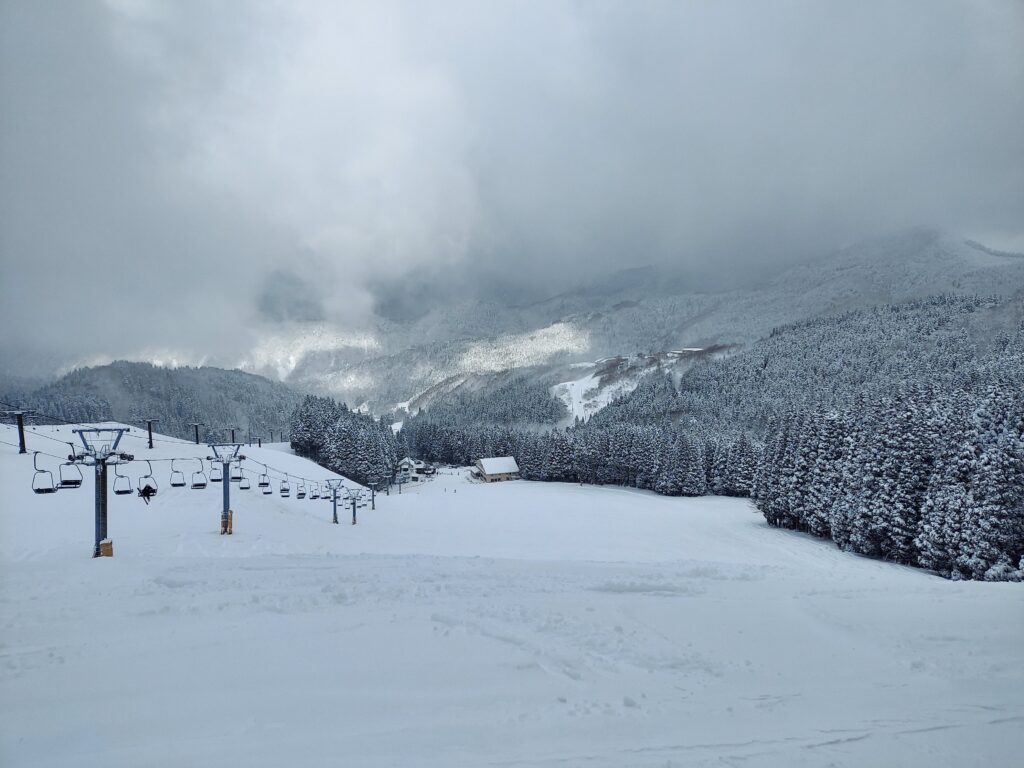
<point x="174" y="172"/>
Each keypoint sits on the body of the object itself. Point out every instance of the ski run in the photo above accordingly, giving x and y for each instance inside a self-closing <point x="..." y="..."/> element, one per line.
<point x="464" y="624"/>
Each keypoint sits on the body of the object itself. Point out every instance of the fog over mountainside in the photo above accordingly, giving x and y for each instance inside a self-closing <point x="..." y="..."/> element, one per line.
<point x="648" y="309"/>
<point x="583" y="342"/>
<point x="301" y="188"/>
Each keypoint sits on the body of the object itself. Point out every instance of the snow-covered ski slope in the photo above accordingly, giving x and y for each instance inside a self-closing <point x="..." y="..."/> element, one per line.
<point x="465" y="624"/>
<point x="171" y="520"/>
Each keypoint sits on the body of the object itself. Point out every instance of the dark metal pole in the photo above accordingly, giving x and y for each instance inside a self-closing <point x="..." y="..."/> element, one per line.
<point x="260" y="441"/>
<point x="353" y="511"/>
<point x="149" y="428"/>
<point x="21" y="433"/>
<point x="232" y="434"/>
<point x="196" y="426"/>
<point x="335" y="500"/>
<point x="225" y="513"/>
<point x="101" y="504"/>
<point x="373" y="496"/>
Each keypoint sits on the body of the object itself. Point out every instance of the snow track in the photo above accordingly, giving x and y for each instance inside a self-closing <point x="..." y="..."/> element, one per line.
<point x="508" y="624"/>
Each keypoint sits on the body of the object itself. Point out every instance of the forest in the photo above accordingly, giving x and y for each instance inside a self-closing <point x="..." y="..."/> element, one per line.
<point x="352" y="444"/>
<point x="896" y="431"/>
<point x="176" y="398"/>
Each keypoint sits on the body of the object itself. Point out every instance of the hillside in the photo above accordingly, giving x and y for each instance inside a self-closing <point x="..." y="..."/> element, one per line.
<point x="640" y="310"/>
<point x="898" y="432"/>
<point x="134" y="392"/>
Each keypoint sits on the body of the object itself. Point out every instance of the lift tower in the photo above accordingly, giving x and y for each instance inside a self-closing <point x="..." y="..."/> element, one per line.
<point x="226" y="453"/>
<point x="100" y="446"/>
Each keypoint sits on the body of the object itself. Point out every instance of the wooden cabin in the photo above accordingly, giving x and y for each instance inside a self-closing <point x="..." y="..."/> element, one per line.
<point x="496" y="469"/>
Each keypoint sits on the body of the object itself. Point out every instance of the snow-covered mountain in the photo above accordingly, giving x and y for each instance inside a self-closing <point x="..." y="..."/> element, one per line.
<point x="646" y="310"/>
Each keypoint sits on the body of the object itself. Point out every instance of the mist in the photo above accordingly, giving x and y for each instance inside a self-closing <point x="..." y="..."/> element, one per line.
<point x="178" y="178"/>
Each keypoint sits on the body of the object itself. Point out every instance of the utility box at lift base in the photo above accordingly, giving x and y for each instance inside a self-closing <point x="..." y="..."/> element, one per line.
<point x="107" y="548"/>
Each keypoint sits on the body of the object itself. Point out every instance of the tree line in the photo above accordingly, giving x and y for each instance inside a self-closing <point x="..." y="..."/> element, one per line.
<point x="897" y="432"/>
<point x="352" y="444"/>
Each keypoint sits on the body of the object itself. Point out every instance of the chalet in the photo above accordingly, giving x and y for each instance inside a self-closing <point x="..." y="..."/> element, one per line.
<point x="495" y="469"/>
<point x="413" y="469"/>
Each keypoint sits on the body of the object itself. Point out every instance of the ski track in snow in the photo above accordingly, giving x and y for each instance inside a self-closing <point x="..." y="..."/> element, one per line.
<point x="515" y="624"/>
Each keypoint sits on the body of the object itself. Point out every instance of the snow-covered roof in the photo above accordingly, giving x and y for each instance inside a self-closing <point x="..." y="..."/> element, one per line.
<point x="499" y="465"/>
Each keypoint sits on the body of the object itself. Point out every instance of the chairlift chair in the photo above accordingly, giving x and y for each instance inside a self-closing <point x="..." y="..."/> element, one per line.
<point x="199" y="477"/>
<point x="286" y="489"/>
<point x="177" y="477"/>
<point x="300" y="490"/>
<point x="122" y="483"/>
<point x="236" y="473"/>
<point x="148" y="481"/>
<point x="243" y="482"/>
<point x="70" y="475"/>
<point x="264" y="481"/>
<point x="216" y="473"/>
<point x="314" y="491"/>
<point x="42" y="480"/>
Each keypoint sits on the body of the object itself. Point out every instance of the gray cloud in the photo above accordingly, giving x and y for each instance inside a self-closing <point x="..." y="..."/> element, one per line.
<point x="162" y="163"/>
<point x="287" y="297"/>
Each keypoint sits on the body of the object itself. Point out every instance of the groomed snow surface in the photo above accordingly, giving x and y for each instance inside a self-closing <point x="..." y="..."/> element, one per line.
<point x="467" y="624"/>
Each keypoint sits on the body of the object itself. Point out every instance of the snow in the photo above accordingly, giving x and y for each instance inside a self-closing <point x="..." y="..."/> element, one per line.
<point x="586" y="396"/>
<point x="524" y="349"/>
<point x="285" y="346"/>
<point x="481" y="624"/>
<point x="499" y="465"/>
<point x="280" y="447"/>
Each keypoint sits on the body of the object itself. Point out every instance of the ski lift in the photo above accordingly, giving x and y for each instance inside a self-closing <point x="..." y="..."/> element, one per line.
<point x="148" y="481"/>
<point x="199" y="477"/>
<point x="177" y="477"/>
<point x="264" y="481"/>
<point x="70" y="475"/>
<point x="243" y="482"/>
<point x="286" y="489"/>
<point x="216" y="473"/>
<point x="122" y="483"/>
<point x="236" y="473"/>
<point x="300" y="490"/>
<point x="42" y="480"/>
<point x="314" y="491"/>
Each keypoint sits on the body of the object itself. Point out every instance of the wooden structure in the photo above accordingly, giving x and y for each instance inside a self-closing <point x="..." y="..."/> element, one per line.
<point x="496" y="469"/>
